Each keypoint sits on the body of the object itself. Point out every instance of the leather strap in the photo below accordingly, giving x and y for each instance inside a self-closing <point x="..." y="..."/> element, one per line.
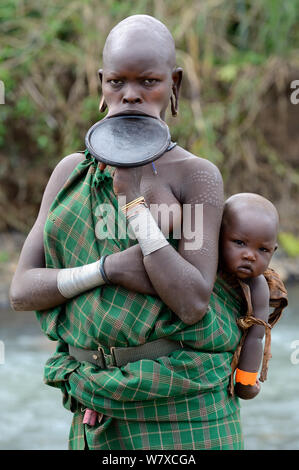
<point x="121" y="356"/>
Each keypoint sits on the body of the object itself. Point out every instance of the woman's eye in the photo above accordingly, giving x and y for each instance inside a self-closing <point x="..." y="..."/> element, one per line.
<point x="150" y="81"/>
<point x="115" y="82"/>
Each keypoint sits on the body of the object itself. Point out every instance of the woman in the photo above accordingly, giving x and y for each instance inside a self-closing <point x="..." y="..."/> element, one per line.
<point x="142" y="339"/>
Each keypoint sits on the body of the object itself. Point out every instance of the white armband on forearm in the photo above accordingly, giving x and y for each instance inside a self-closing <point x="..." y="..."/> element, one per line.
<point x="74" y="281"/>
<point x="146" y="230"/>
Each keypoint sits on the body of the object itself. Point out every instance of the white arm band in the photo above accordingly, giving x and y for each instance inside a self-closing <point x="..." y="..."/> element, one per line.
<point x="146" y="230"/>
<point x="74" y="281"/>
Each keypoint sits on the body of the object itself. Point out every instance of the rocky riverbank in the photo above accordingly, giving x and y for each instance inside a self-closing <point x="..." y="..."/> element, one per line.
<point x="11" y="245"/>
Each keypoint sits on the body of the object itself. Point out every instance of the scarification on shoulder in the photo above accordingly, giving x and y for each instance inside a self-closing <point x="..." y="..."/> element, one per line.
<point x="210" y="189"/>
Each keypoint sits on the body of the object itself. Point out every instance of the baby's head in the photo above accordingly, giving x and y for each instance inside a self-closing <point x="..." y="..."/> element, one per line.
<point x="248" y="236"/>
<point x="139" y="73"/>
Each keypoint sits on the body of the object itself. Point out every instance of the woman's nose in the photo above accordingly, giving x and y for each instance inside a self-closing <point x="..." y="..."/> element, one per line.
<point x="131" y="95"/>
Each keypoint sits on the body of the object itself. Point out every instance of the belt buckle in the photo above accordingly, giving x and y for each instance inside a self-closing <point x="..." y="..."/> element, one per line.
<point x="109" y="359"/>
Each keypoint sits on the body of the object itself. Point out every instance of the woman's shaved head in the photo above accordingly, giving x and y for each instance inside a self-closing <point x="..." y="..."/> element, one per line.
<point x="141" y="29"/>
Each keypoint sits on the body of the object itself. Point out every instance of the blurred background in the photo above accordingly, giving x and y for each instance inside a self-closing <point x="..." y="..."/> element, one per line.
<point x="237" y="109"/>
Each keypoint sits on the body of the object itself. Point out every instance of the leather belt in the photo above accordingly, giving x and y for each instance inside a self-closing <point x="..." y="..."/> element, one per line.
<point x="121" y="356"/>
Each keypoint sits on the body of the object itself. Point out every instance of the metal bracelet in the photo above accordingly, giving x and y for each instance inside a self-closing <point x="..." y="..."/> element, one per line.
<point x="74" y="281"/>
<point x="146" y="230"/>
<point x="102" y="271"/>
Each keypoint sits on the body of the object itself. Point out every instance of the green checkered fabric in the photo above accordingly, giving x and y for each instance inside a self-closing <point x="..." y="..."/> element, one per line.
<point x="145" y="402"/>
<point x="118" y="434"/>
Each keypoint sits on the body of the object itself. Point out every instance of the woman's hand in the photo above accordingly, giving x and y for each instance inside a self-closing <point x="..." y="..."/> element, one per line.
<point x="247" y="392"/>
<point x="126" y="182"/>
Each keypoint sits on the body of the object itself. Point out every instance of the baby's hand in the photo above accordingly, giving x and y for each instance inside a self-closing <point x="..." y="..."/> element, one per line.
<point x="247" y="392"/>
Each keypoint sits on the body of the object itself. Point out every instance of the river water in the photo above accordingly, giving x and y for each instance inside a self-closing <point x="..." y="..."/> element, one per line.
<point x="32" y="415"/>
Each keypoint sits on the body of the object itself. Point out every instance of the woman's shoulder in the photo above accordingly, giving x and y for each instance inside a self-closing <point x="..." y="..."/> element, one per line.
<point x="194" y="164"/>
<point x="64" y="168"/>
<point x="59" y="176"/>
<point x="69" y="162"/>
<point x="195" y="177"/>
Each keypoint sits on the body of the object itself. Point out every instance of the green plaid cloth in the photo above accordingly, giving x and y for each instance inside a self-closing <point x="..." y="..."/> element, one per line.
<point x="179" y="401"/>
<point x="117" y="434"/>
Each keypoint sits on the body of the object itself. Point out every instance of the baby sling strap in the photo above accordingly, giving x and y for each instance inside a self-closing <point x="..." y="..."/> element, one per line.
<point x="278" y="300"/>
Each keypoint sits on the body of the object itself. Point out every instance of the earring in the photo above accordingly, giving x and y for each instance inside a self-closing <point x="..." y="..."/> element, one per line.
<point x="174" y="105"/>
<point x="103" y="105"/>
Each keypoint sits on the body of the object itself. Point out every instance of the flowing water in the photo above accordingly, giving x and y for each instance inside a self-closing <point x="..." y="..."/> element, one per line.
<point x="32" y="415"/>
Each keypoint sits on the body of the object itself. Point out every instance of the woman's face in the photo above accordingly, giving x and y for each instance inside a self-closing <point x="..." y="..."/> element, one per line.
<point x="137" y="79"/>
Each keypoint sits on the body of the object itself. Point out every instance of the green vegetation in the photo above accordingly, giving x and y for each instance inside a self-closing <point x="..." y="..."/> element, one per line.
<point x="239" y="58"/>
<point x="289" y="243"/>
<point x="4" y="256"/>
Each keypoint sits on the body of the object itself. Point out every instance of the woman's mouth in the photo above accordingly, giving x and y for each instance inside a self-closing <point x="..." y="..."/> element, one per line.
<point x="131" y="111"/>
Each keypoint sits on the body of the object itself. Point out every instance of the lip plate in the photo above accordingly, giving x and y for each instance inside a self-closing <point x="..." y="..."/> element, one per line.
<point x="150" y="146"/>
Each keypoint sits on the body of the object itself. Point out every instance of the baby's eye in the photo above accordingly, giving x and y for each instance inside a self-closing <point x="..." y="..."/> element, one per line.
<point x="265" y="250"/>
<point x="239" y="242"/>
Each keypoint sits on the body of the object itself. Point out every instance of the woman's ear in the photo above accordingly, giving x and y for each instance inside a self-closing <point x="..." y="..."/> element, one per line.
<point x="177" y="76"/>
<point x="102" y="105"/>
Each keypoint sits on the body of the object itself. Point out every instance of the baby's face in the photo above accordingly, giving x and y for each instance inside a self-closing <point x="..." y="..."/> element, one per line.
<point x="136" y="78"/>
<point x="247" y="244"/>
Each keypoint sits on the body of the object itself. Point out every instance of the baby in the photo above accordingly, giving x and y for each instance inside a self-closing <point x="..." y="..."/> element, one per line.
<point x="247" y="242"/>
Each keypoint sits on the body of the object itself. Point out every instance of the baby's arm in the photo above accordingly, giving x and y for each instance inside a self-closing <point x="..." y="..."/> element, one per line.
<point x="252" y="350"/>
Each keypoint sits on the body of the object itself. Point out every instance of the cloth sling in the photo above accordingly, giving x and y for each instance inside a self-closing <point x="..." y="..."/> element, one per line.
<point x="278" y="300"/>
<point x="187" y="388"/>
